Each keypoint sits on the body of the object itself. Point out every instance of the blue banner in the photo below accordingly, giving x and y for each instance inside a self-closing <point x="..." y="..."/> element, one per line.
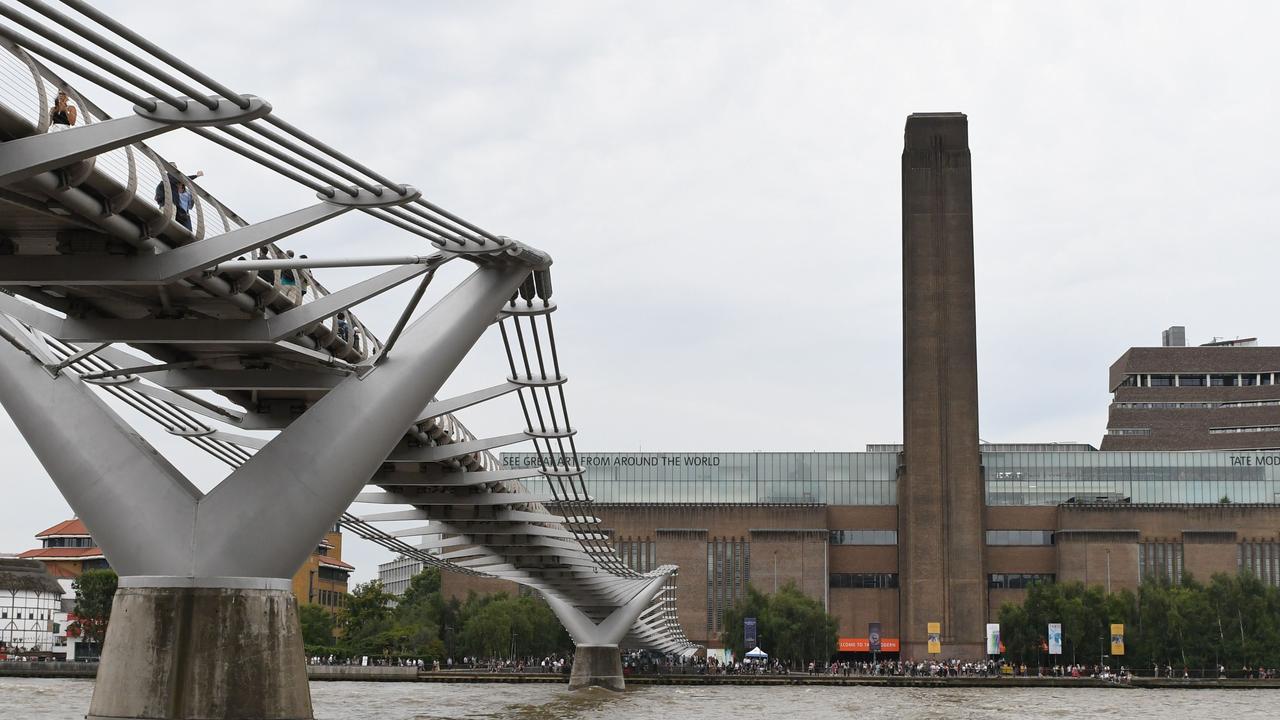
<point x="749" y="633"/>
<point x="873" y="636"/>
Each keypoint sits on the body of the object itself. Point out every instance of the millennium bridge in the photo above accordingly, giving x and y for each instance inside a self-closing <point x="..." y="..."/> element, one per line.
<point x="133" y="297"/>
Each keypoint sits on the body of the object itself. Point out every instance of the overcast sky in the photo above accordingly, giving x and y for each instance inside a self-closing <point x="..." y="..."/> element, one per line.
<point x="719" y="186"/>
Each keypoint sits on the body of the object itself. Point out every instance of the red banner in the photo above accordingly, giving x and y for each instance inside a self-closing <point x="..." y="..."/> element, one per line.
<point x="887" y="644"/>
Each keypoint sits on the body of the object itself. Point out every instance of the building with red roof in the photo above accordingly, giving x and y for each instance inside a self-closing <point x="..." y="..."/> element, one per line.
<point x="68" y="549"/>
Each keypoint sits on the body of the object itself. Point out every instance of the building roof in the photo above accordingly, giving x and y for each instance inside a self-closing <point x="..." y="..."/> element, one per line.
<point x="333" y="563"/>
<point x="67" y="528"/>
<point x="63" y="553"/>
<point x="28" y="575"/>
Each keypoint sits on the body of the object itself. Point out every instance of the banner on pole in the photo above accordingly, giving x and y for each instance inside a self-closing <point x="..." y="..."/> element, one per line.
<point x="1055" y="638"/>
<point x="873" y="635"/>
<point x="1117" y="639"/>
<point x="935" y="638"/>
<point x="993" y="638"/>
<point x="749" y="639"/>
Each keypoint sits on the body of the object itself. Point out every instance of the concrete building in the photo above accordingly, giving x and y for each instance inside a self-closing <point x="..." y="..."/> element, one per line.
<point x="68" y="549"/>
<point x="1221" y="395"/>
<point x="30" y="598"/>
<point x="395" y="575"/>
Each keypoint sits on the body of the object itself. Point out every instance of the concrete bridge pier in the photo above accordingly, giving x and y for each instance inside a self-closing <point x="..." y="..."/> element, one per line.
<point x="203" y="652"/>
<point x="597" y="656"/>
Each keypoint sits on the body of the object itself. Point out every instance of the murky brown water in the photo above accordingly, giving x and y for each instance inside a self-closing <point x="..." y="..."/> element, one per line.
<point x="69" y="700"/>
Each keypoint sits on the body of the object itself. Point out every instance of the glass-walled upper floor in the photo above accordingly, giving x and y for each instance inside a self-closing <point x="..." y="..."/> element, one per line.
<point x="694" y="478"/>
<point x="870" y="478"/>
<point x="1139" y="477"/>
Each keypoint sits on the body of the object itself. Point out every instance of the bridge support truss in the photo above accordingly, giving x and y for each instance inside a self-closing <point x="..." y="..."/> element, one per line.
<point x="205" y="624"/>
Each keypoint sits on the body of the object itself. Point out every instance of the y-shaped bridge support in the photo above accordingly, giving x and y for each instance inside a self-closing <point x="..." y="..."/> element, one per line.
<point x="597" y="660"/>
<point x="205" y="625"/>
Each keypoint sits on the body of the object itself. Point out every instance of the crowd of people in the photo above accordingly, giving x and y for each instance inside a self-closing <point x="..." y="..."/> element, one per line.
<point x="549" y="664"/>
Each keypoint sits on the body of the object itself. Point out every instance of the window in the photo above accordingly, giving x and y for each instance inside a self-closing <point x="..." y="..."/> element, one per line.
<point x="1160" y="381"/>
<point x="1251" y="403"/>
<point x="1166" y="405"/>
<point x="864" y="537"/>
<point x="1018" y="581"/>
<point x="1223" y="380"/>
<point x="1019" y="537"/>
<point x="1128" y="431"/>
<point x="881" y="581"/>
<point x="1261" y="559"/>
<point x="1190" y="380"/>
<point x="1160" y="561"/>
<point x="333" y="574"/>
<point x="1244" y="429"/>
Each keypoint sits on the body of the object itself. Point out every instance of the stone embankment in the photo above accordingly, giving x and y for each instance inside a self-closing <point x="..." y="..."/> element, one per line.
<point x="409" y="674"/>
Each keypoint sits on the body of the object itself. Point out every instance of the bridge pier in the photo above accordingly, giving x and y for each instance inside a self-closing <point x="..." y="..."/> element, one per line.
<point x="599" y="666"/>
<point x="597" y="655"/>
<point x="203" y="652"/>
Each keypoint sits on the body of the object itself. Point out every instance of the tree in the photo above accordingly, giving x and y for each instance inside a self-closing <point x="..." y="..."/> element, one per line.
<point x="1234" y="621"/>
<point x="795" y="627"/>
<point x="365" y="617"/>
<point x="500" y="625"/>
<point x="95" y="590"/>
<point x="317" y="625"/>
<point x="422" y="587"/>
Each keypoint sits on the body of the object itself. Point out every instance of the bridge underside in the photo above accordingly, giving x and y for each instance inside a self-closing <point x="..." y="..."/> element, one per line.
<point x="123" y="303"/>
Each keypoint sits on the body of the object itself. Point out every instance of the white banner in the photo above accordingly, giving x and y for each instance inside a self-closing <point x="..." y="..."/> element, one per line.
<point x="1055" y="638"/>
<point x="993" y="638"/>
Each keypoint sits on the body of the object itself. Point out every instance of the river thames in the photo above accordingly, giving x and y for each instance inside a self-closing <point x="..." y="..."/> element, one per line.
<point x="69" y="700"/>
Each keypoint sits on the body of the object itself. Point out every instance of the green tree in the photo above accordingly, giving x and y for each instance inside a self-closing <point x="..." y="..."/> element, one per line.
<point x="317" y="625"/>
<point x="423" y="587"/>
<point x="791" y="626"/>
<point x="95" y="589"/>
<point x="1233" y="620"/>
<point x="495" y="625"/>
<point x="365" y="618"/>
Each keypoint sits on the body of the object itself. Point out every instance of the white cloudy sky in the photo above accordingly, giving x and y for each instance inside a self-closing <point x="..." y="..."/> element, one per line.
<point x="718" y="183"/>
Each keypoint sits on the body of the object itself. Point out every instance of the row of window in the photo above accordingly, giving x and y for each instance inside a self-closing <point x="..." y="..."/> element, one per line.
<point x="1019" y="537"/>
<point x="729" y="572"/>
<point x="639" y="555"/>
<point x="1018" y="581"/>
<point x="75" y="542"/>
<point x="4" y="615"/>
<point x="1128" y="431"/>
<point x="330" y="598"/>
<point x="1160" y="561"/>
<point x="333" y="574"/>
<point x="1193" y="405"/>
<point x="1201" y="380"/>
<point x="1164" y="405"/>
<point x="864" y="537"/>
<point x="880" y="581"/>
<point x="1244" y="429"/>
<point x="1262" y="559"/>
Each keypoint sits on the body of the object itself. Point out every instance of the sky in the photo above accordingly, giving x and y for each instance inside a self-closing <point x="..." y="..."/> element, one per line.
<point x="718" y="184"/>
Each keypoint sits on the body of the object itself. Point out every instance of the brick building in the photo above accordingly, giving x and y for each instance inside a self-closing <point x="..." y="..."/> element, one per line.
<point x="1218" y="396"/>
<point x="829" y="522"/>
<point x="67" y="550"/>
<point x="945" y="529"/>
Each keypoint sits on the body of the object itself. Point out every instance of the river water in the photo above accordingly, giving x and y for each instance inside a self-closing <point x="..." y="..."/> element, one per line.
<point x="69" y="700"/>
